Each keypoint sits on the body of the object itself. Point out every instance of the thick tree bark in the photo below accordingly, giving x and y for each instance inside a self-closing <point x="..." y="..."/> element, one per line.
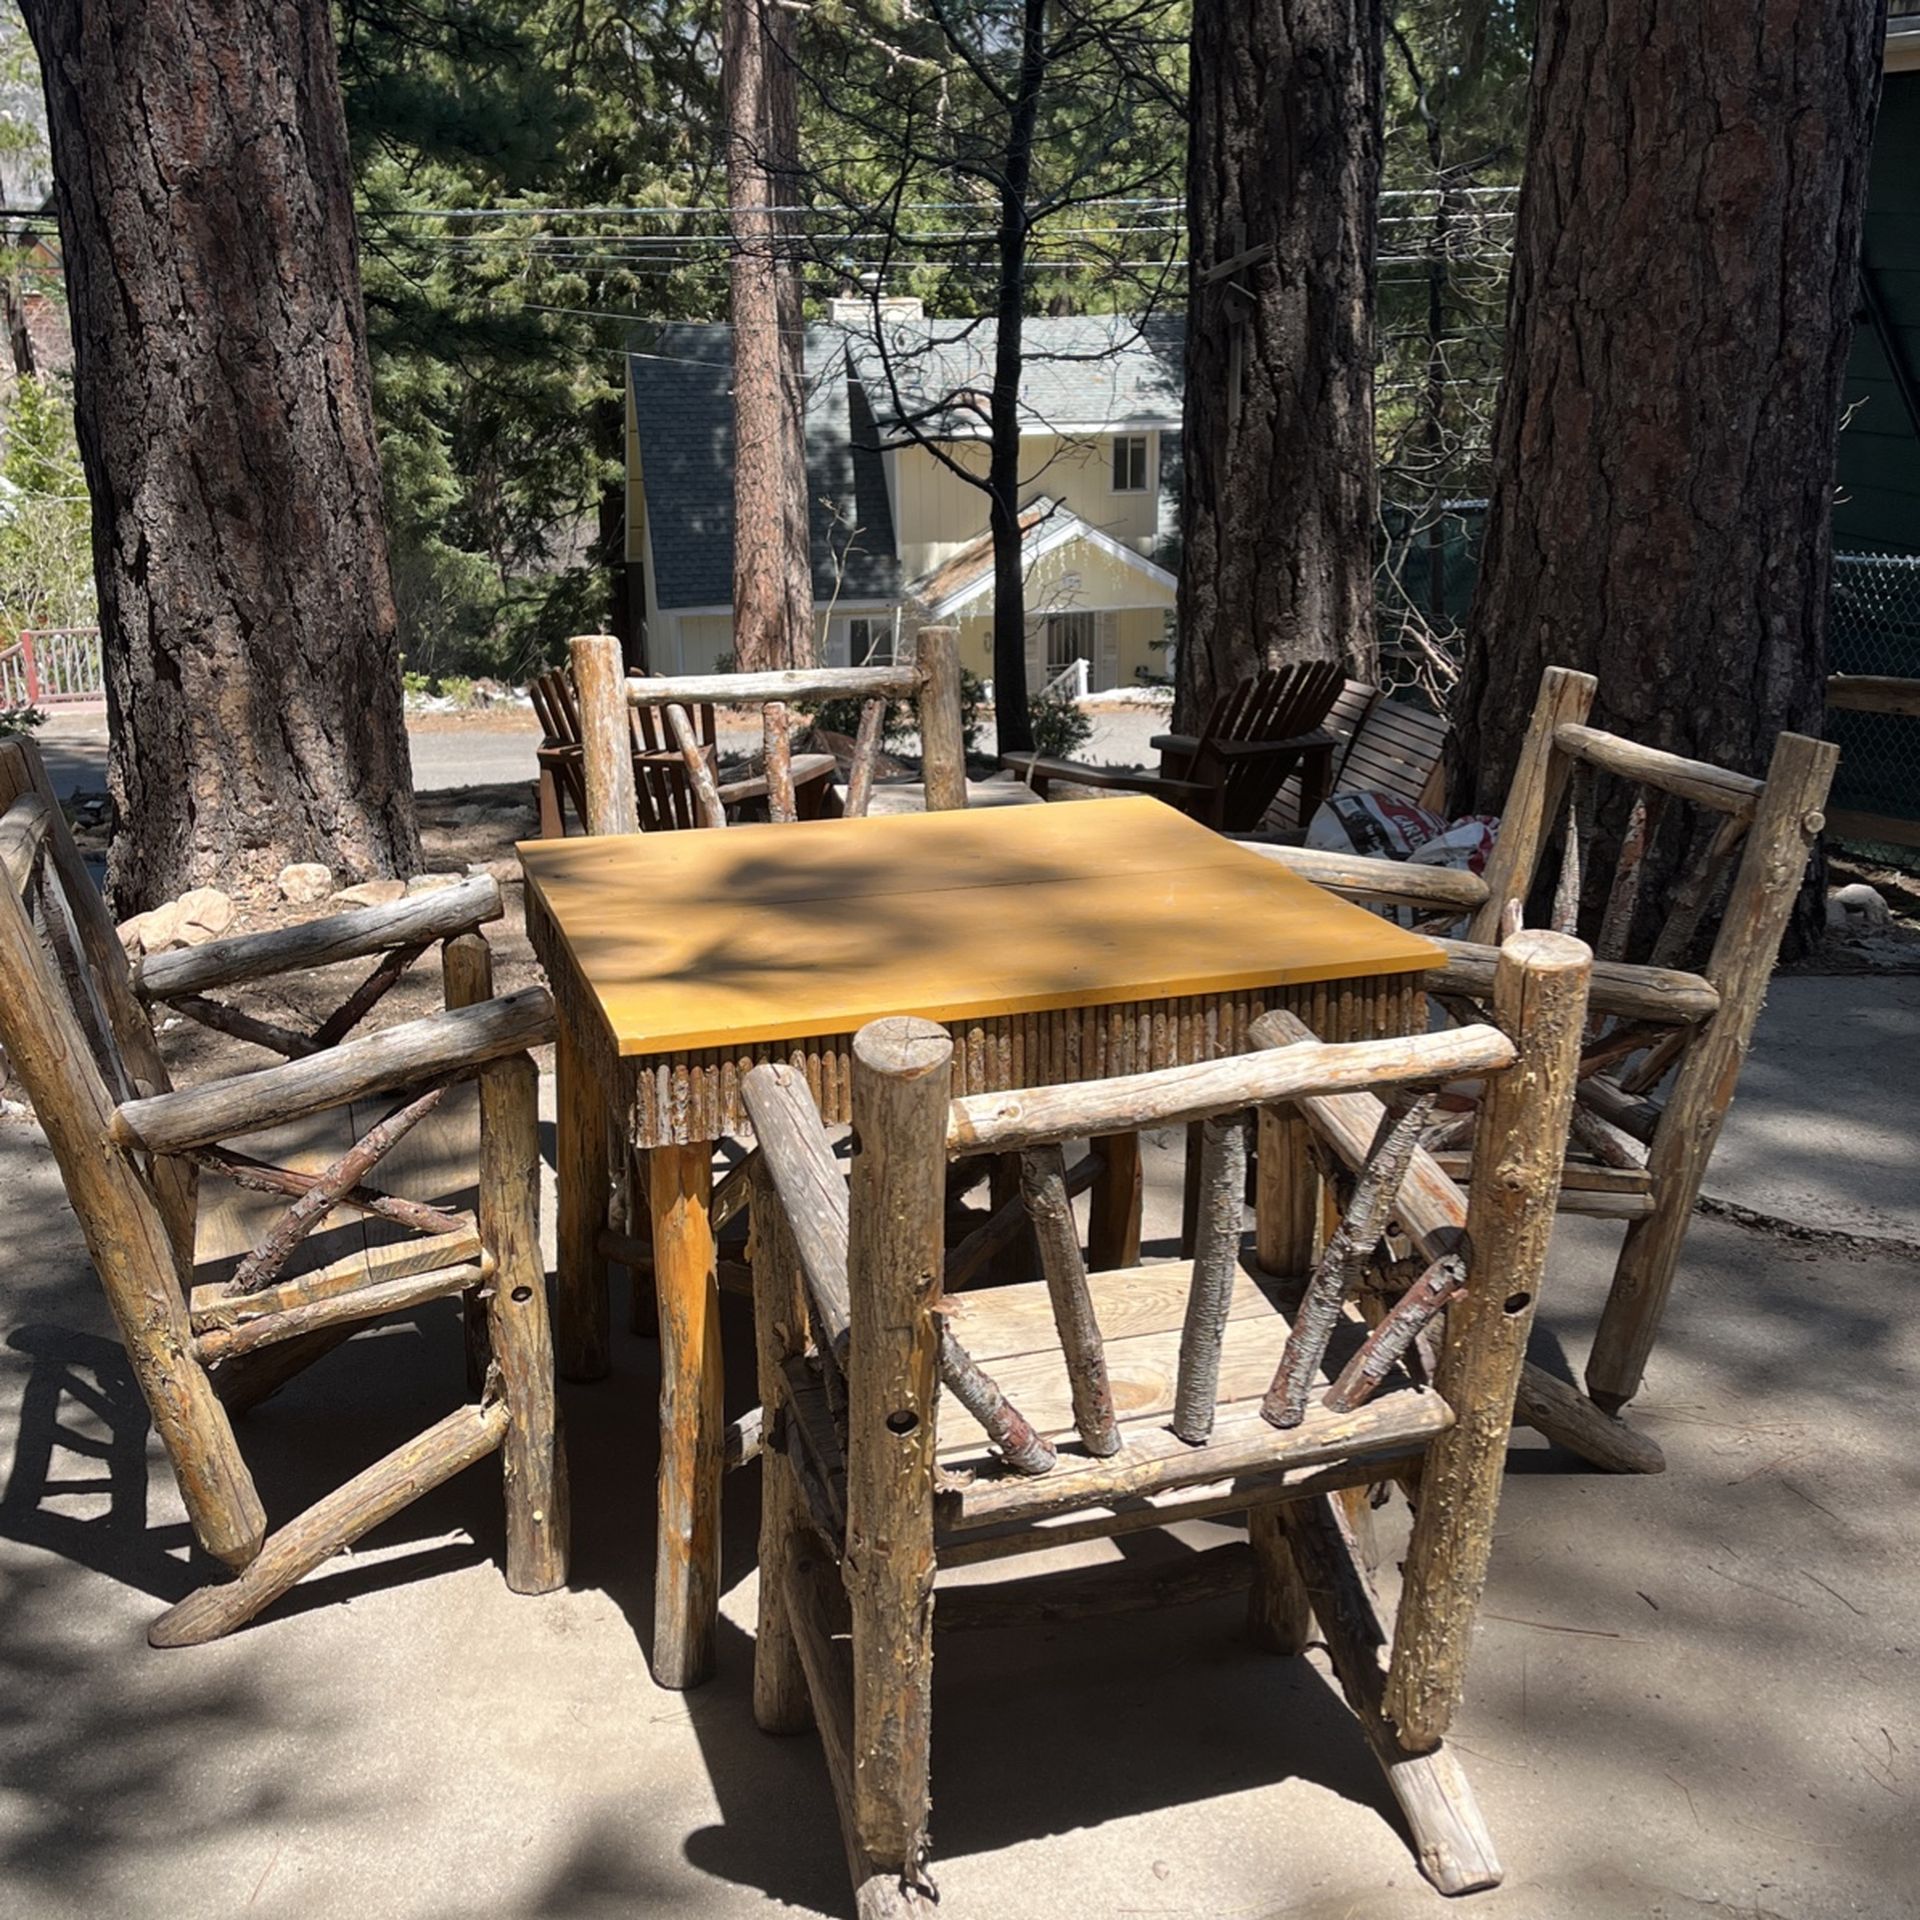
<point x="1013" y="727"/>
<point x="1278" y="501"/>
<point x="1682" y="298"/>
<point x="226" y="423"/>
<point x="772" y="564"/>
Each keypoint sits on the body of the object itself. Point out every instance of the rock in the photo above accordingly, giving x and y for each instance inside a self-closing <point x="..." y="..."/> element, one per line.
<point x="433" y="882"/>
<point x="371" y="893"/>
<point x="305" y="882"/>
<point x="1857" y="900"/>
<point x="153" y="931"/>
<point x="205" y="914"/>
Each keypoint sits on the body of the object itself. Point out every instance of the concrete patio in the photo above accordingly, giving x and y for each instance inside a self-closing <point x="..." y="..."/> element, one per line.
<point x="1691" y="1694"/>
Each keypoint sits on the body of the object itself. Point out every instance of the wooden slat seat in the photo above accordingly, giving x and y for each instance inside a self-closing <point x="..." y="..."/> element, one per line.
<point x="1383" y="746"/>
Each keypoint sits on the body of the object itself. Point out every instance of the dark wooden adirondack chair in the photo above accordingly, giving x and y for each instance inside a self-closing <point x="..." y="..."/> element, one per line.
<point x="1226" y="775"/>
<point x="665" y="794"/>
<point x="911" y="1430"/>
<point x="208" y="1335"/>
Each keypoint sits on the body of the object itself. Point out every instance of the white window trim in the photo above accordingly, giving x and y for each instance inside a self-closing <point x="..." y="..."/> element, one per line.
<point x="1146" y="464"/>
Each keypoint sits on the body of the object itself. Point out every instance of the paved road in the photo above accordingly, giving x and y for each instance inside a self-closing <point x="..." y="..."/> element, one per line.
<point x="487" y="754"/>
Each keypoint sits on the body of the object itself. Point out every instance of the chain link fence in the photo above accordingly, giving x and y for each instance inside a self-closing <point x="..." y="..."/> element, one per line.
<point x="1875" y="628"/>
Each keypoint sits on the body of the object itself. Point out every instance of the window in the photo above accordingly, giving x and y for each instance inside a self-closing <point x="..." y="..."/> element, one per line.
<point x="860" y="641"/>
<point x="1130" y="463"/>
<point x="1069" y="638"/>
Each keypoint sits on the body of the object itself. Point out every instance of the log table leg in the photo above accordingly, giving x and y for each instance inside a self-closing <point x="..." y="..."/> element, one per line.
<point x="686" y="1579"/>
<point x="581" y="1333"/>
<point x="1113" y="1226"/>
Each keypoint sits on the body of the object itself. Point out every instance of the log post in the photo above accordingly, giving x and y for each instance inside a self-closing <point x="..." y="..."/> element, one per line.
<point x="533" y="1455"/>
<point x="1533" y="797"/>
<point x="686" y="1579"/>
<point x="1113" y="1221"/>
<point x="1043" y="1185"/>
<point x="1539" y="999"/>
<point x="943" y="747"/>
<point x="776" y="739"/>
<point x="606" y="740"/>
<point x="866" y="750"/>
<point x="132" y="1248"/>
<point x="1787" y="820"/>
<point x="582" y="1310"/>
<point x="780" y="1332"/>
<point x="902" y="1071"/>
<point x="1216" y="1265"/>
<point x="1450" y="1839"/>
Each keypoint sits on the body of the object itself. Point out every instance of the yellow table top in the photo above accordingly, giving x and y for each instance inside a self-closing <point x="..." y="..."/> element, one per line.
<point x="731" y="936"/>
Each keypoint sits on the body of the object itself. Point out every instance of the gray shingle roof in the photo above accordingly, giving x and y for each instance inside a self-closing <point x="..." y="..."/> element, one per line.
<point x="1109" y="370"/>
<point x="682" y="394"/>
<point x="1087" y="370"/>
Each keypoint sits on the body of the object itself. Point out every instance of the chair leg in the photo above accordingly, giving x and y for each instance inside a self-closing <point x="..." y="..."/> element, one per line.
<point x="816" y="1604"/>
<point x="779" y="1314"/>
<point x="1450" y="1840"/>
<point x="553" y="824"/>
<point x="1113" y="1227"/>
<point x="686" y="1582"/>
<point x="581" y="1298"/>
<point x="1279" y="1609"/>
<point x="534" y="1452"/>
<point x="467" y="1434"/>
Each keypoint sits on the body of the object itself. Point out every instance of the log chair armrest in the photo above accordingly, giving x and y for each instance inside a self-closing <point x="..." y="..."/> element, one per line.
<point x="317" y="943"/>
<point x="1390" y="882"/>
<point x="1618" y="986"/>
<point x="1187" y="743"/>
<point x="443" y="1046"/>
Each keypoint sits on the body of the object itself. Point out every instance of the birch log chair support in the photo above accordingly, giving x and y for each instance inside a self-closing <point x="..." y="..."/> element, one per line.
<point x="931" y="679"/>
<point x="908" y="1429"/>
<point x="1634" y="1156"/>
<point x="662" y="789"/>
<point x="130" y="1150"/>
<point x="1260" y="733"/>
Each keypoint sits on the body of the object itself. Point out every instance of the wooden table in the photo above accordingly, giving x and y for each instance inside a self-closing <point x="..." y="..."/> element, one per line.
<point x="1059" y="944"/>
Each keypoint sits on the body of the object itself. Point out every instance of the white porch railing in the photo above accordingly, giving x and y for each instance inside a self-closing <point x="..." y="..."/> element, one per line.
<point x="1070" y="682"/>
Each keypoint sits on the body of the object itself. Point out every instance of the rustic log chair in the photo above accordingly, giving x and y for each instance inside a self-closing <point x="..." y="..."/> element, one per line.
<point x="1256" y="735"/>
<point x="1633" y="1157"/>
<point x="601" y="1227"/>
<point x="1385" y="746"/>
<point x="663" y="791"/>
<point x="203" y="1341"/>
<point x="908" y="1429"/>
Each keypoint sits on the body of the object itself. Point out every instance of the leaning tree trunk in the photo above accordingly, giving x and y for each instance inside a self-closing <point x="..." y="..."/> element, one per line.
<point x="1682" y="297"/>
<point x="226" y="424"/>
<point x="1278" y="499"/>
<point x="772" y="567"/>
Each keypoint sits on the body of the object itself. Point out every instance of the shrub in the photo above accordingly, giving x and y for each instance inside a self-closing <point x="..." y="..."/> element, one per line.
<point x="1059" y="726"/>
<point x="19" y="720"/>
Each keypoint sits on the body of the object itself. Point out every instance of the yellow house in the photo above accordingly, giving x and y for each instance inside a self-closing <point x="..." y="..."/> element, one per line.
<point x="896" y="444"/>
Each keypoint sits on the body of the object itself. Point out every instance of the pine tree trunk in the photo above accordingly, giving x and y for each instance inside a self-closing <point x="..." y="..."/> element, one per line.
<point x="1682" y="298"/>
<point x="1278" y="500"/>
<point x="772" y="567"/>
<point x="226" y="424"/>
<point x="1012" y="719"/>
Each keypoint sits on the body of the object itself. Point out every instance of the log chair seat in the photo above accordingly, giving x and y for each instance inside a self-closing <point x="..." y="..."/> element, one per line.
<point x="1009" y="1331"/>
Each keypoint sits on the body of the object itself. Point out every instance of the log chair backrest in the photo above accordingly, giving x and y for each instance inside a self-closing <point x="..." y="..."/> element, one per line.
<point x="1742" y="840"/>
<point x="871" y="1248"/>
<point x="667" y="707"/>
